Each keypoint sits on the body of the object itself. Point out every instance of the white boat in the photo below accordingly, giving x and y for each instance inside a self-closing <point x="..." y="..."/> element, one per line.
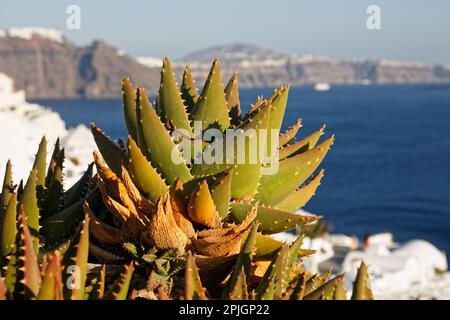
<point x="321" y="86"/>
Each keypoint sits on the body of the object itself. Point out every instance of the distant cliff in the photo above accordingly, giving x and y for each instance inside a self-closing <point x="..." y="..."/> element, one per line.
<point x="52" y="67"/>
<point x="47" y="65"/>
<point x="259" y="67"/>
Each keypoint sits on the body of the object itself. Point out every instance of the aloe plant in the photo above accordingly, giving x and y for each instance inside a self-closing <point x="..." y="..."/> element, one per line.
<point x="151" y="210"/>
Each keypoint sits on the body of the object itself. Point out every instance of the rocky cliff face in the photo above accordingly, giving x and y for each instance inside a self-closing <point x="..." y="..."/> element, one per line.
<point x="265" y="68"/>
<point x="47" y="68"/>
<point x="47" y="65"/>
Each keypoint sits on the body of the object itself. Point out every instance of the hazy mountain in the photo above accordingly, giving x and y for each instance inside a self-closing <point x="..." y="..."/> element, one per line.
<point x="259" y="67"/>
<point x="47" y="65"/>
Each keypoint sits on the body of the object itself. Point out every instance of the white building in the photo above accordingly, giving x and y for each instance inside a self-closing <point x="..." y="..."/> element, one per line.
<point x="22" y="125"/>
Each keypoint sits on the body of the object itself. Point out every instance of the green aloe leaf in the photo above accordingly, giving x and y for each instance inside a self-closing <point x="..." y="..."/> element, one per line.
<point x="302" y="145"/>
<point x="193" y="288"/>
<point x="272" y="220"/>
<point x="361" y="286"/>
<point x="290" y="133"/>
<point x="242" y="265"/>
<point x="28" y="201"/>
<point x="246" y="176"/>
<point x="266" y="245"/>
<point x="96" y="288"/>
<point x="7" y="189"/>
<point x="28" y="279"/>
<point x="40" y="163"/>
<point x="161" y="150"/>
<point x="221" y="193"/>
<point x="52" y="164"/>
<point x="113" y="155"/>
<point x="300" y="197"/>
<point x="51" y="287"/>
<point x="211" y="108"/>
<point x="292" y="172"/>
<point x="80" y="188"/>
<point x="146" y="178"/>
<point x="170" y="101"/>
<point x="232" y="98"/>
<point x="189" y="92"/>
<point x="59" y="227"/>
<point x="129" y="107"/>
<point x="316" y="282"/>
<point x="326" y="291"/>
<point x="119" y="289"/>
<point x="75" y="263"/>
<point x="272" y="284"/>
<point x="55" y="190"/>
<point x="239" y="290"/>
<point x="8" y="229"/>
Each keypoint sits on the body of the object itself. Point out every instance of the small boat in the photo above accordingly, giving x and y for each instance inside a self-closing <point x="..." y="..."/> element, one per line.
<point x="321" y="86"/>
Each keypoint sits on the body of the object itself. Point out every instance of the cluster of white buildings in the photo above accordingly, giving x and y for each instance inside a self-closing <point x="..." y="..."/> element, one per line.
<point x="22" y="125"/>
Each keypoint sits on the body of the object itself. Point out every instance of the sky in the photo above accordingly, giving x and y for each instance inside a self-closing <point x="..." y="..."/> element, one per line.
<point x="414" y="30"/>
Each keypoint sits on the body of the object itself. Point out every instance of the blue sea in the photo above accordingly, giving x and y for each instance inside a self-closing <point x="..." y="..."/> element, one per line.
<point x="389" y="169"/>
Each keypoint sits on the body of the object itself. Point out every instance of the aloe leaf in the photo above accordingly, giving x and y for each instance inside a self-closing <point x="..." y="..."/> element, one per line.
<point x="339" y="291"/>
<point x="28" y="273"/>
<point x="110" y="151"/>
<point x="361" y="286"/>
<point x="291" y="173"/>
<point x="40" y="163"/>
<point x="316" y="282"/>
<point x="129" y="107"/>
<point x="302" y="145"/>
<point x="278" y="102"/>
<point x="10" y="271"/>
<point x="51" y="287"/>
<point x="193" y="288"/>
<point x="7" y="188"/>
<point x="272" y="220"/>
<point x="272" y="283"/>
<point x="290" y="133"/>
<point x="253" y="107"/>
<point x="55" y="190"/>
<point x="189" y="92"/>
<point x="28" y="201"/>
<point x="161" y="149"/>
<point x="52" y="164"/>
<point x="325" y="291"/>
<point x="300" y="197"/>
<point x="119" y="289"/>
<point x="75" y="263"/>
<point x="266" y="245"/>
<point x="59" y="227"/>
<point x="8" y="229"/>
<point x="170" y="101"/>
<point x="201" y="206"/>
<point x="239" y="290"/>
<point x="221" y="194"/>
<point x="211" y="108"/>
<point x="80" y="188"/>
<point x="242" y="265"/>
<point x="96" y="288"/>
<point x="246" y="176"/>
<point x="232" y="98"/>
<point x="146" y="178"/>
